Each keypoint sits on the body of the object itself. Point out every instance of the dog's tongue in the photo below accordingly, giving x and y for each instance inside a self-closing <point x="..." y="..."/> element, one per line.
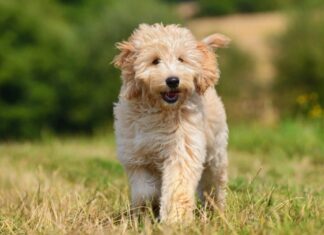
<point x="171" y="94"/>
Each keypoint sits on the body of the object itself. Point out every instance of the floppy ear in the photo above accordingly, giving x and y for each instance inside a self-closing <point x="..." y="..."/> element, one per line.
<point x="216" y="40"/>
<point x="125" y="62"/>
<point x="126" y="50"/>
<point x="209" y="74"/>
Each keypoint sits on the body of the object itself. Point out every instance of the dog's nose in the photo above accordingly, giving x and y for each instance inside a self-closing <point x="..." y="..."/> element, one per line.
<point x="172" y="82"/>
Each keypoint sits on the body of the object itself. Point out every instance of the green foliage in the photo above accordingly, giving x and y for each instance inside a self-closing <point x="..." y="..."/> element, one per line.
<point x="209" y="7"/>
<point x="222" y="7"/>
<point x="55" y="61"/>
<point x="212" y="7"/>
<point x="233" y="57"/>
<point x="300" y="63"/>
<point x="237" y="84"/>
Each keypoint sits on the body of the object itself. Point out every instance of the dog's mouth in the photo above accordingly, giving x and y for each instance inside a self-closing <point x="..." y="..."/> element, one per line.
<point x="170" y="96"/>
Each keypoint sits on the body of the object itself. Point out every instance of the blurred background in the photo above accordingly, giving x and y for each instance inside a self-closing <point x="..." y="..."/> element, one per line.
<point x="56" y="76"/>
<point x="58" y="168"/>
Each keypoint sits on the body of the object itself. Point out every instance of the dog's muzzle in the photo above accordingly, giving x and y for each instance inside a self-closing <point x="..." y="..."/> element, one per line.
<point x="170" y="96"/>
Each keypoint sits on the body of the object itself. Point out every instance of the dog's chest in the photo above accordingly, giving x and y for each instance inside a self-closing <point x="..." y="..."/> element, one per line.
<point x="155" y="134"/>
<point x="159" y="136"/>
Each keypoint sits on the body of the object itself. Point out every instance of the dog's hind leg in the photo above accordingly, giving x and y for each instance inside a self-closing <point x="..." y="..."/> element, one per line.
<point x="211" y="189"/>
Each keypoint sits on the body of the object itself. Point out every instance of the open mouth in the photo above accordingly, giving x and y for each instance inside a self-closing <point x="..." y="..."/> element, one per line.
<point x="170" y="96"/>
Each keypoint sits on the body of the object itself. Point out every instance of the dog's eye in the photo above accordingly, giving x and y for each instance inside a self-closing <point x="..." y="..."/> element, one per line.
<point x="180" y="59"/>
<point x="156" y="61"/>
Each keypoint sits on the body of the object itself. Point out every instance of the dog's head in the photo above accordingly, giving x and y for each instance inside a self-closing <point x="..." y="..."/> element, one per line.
<point x="167" y="64"/>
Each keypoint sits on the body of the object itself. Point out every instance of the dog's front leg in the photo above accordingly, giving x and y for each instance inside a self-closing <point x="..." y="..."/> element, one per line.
<point x="179" y="181"/>
<point x="145" y="186"/>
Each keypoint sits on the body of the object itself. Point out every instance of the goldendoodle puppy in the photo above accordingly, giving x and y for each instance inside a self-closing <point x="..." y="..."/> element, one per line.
<point x="170" y="123"/>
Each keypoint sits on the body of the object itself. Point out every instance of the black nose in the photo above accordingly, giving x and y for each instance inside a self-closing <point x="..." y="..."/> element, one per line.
<point x="172" y="82"/>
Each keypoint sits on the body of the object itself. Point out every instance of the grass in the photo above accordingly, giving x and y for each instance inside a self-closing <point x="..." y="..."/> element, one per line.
<point x="76" y="185"/>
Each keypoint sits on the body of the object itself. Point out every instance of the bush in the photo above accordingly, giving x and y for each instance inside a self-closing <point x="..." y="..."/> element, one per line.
<point x="221" y="7"/>
<point x="55" y="61"/>
<point x="209" y="7"/>
<point x="237" y="85"/>
<point x="212" y="7"/>
<point x="300" y="63"/>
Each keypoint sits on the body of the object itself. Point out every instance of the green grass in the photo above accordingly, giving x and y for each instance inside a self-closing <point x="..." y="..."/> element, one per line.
<point x="76" y="185"/>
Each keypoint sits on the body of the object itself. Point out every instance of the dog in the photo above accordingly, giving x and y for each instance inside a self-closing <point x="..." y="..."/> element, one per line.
<point x="170" y="124"/>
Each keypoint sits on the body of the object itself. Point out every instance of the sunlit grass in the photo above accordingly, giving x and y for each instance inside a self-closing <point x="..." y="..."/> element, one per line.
<point x="76" y="185"/>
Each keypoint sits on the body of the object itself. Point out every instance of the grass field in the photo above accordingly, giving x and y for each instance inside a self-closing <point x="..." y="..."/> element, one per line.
<point x="75" y="185"/>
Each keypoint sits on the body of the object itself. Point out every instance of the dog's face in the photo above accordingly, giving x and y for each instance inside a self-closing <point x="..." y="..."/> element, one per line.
<point x="167" y="64"/>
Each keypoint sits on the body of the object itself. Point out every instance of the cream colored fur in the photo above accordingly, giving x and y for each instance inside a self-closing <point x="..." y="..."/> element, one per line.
<point x="170" y="151"/>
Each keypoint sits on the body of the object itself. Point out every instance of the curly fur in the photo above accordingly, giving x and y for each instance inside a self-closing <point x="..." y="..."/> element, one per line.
<point x="171" y="150"/>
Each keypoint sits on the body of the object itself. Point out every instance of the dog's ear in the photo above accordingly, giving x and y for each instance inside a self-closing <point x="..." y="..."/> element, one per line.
<point x="123" y="58"/>
<point x="125" y="61"/>
<point x="216" y="41"/>
<point x="209" y="74"/>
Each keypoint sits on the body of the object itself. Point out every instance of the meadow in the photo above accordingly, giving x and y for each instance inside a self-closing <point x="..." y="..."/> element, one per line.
<point x="75" y="185"/>
<point x="60" y="175"/>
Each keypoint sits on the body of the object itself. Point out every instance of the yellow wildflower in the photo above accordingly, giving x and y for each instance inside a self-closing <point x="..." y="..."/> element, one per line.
<point x="316" y="111"/>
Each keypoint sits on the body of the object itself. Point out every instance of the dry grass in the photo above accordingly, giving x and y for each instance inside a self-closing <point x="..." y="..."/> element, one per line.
<point x="75" y="185"/>
<point x="251" y="32"/>
<point x="254" y="34"/>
